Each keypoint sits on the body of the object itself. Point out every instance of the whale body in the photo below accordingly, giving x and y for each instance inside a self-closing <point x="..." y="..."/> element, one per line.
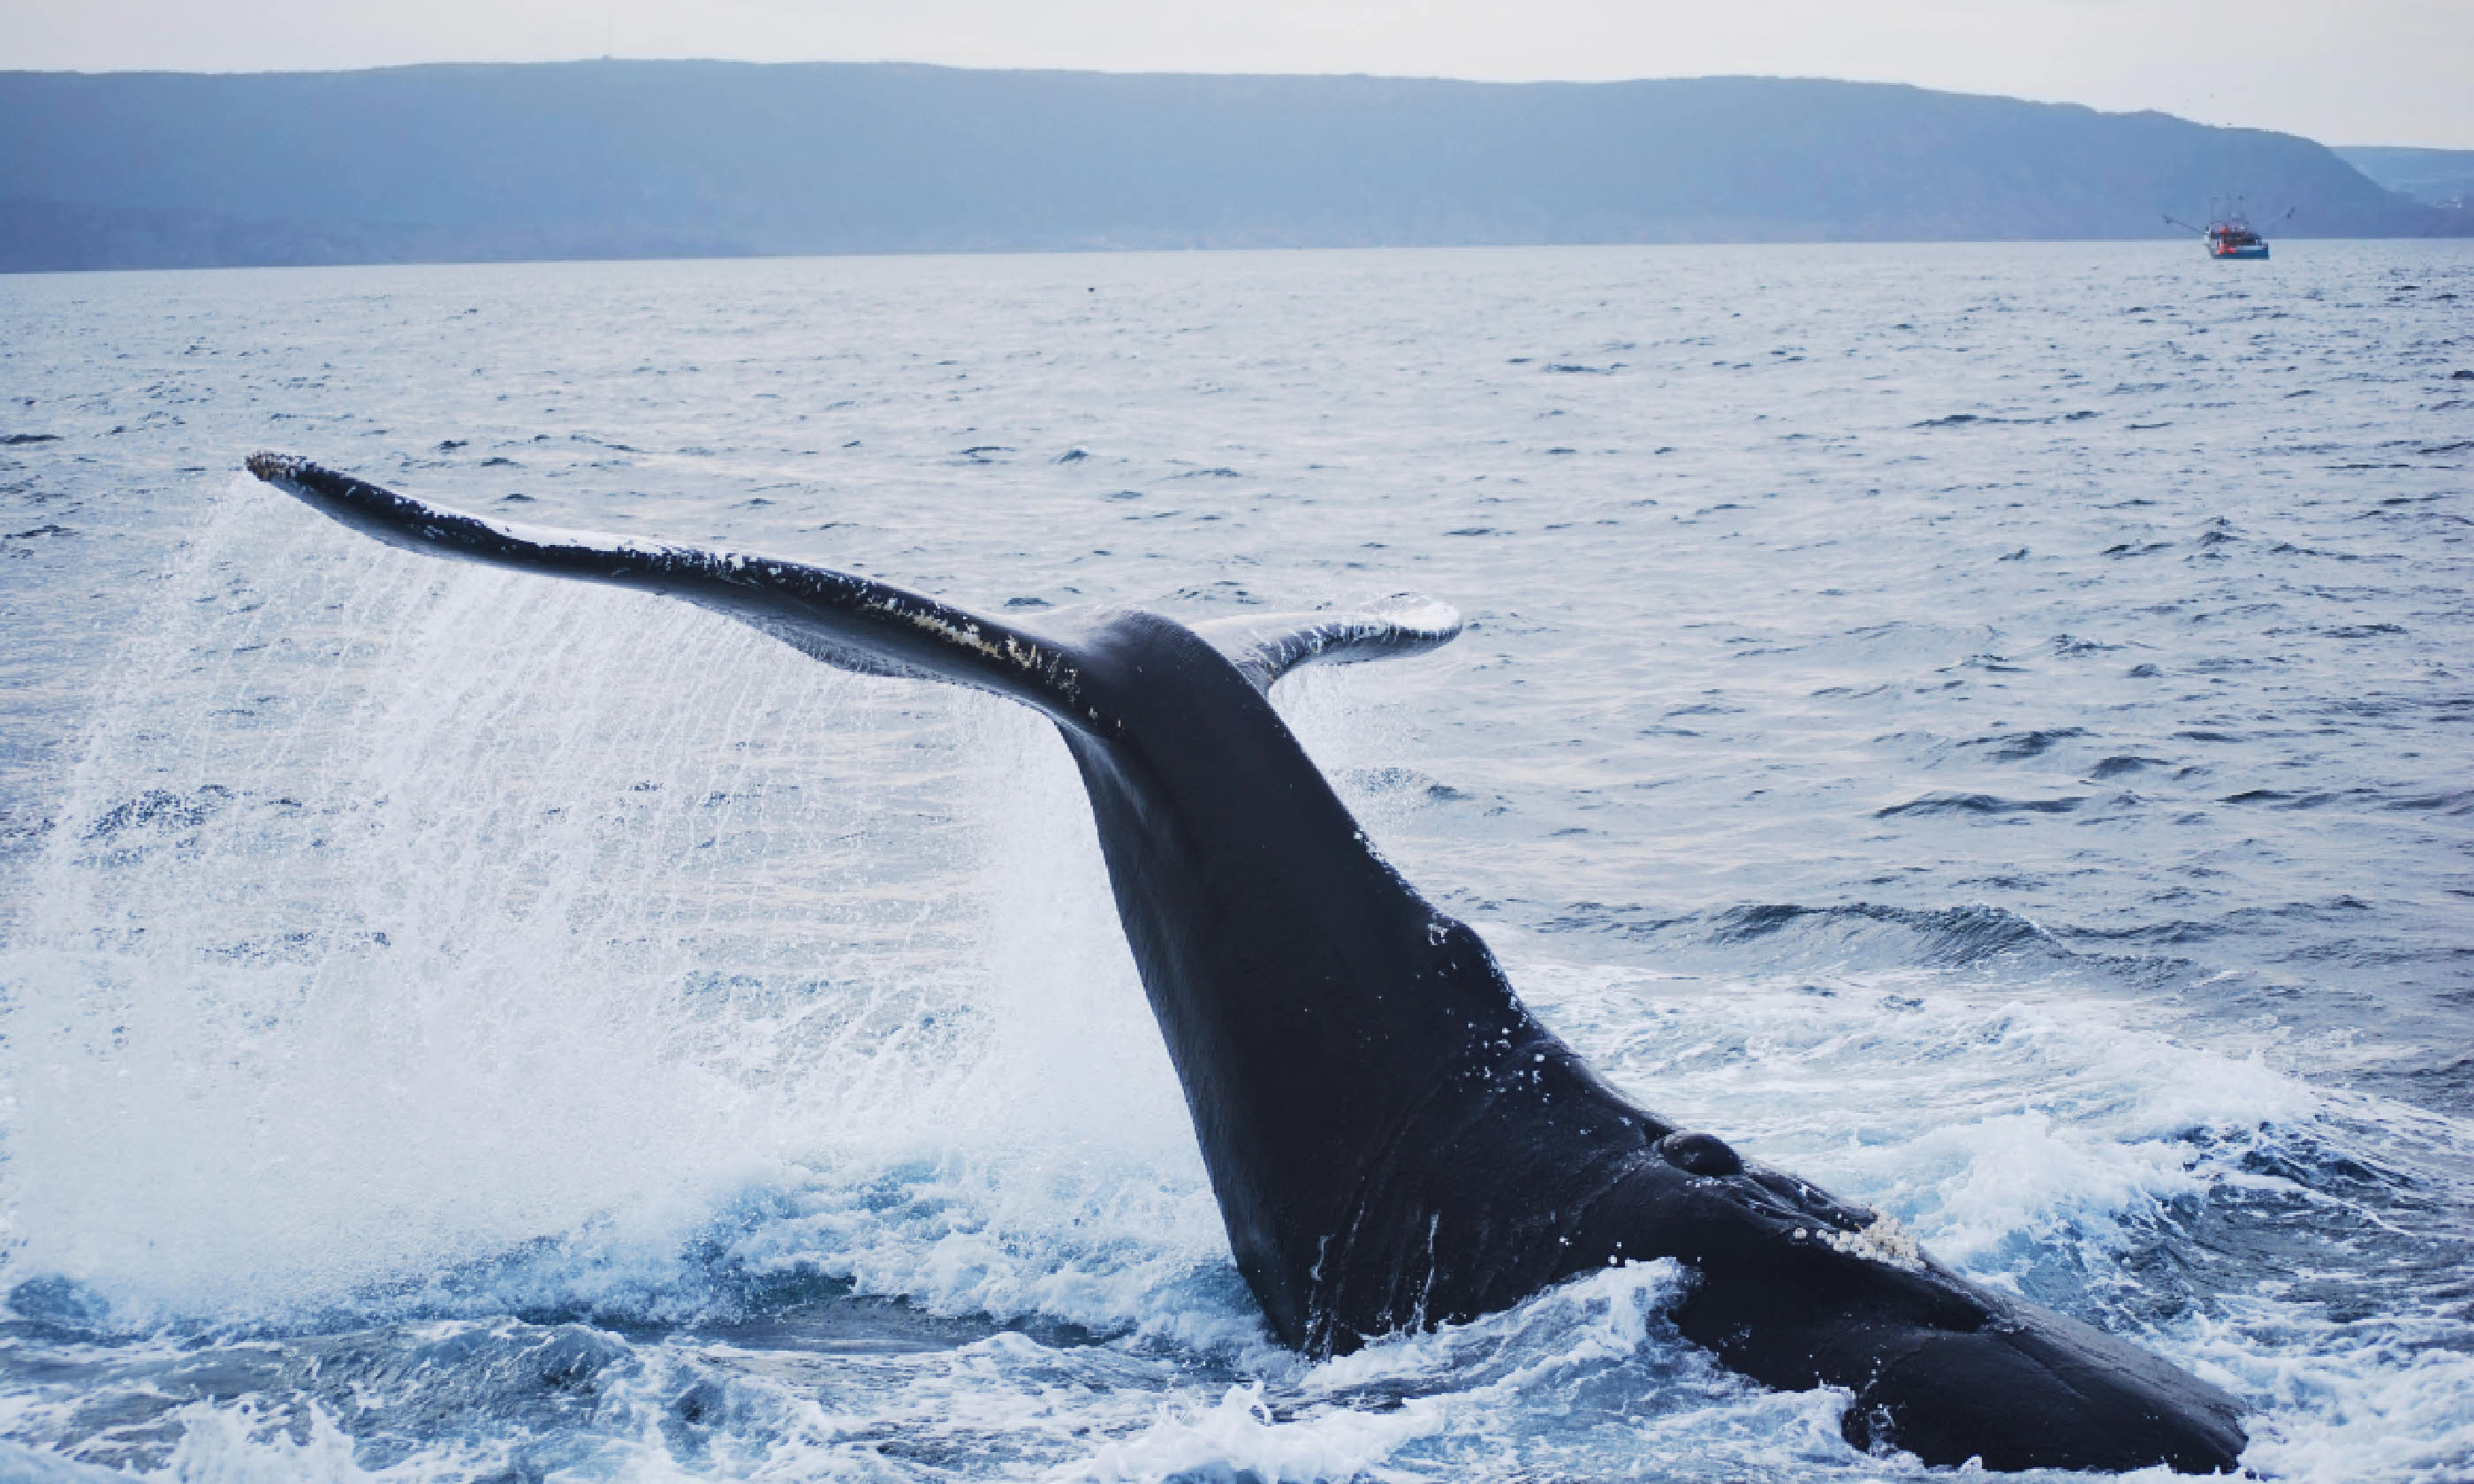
<point x="1394" y="1140"/>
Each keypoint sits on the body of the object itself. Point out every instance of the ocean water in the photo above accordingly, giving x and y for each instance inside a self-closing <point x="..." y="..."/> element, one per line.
<point x="1983" y="728"/>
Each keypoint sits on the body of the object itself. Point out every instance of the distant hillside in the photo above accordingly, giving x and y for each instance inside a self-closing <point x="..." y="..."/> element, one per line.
<point x="623" y="160"/>
<point x="2436" y="178"/>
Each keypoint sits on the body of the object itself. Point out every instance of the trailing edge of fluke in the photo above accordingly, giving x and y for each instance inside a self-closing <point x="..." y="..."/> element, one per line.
<point x="1394" y="1140"/>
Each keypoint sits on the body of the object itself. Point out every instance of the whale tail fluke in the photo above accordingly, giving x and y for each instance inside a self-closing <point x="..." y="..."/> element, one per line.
<point x="850" y="622"/>
<point x="1266" y="648"/>
<point x="1361" y="1074"/>
<point x="854" y="623"/>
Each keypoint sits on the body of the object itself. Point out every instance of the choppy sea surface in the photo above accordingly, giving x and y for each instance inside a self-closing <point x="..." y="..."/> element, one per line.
<point x="1984" y="728"/>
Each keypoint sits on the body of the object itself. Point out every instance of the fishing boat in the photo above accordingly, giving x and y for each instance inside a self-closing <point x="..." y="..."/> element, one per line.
<point x="2234" y="238"/>
<point x="2229" y="233"/>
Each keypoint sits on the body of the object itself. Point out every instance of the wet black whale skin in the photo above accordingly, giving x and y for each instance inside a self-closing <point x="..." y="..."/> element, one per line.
<point x="1394" y="1140"/>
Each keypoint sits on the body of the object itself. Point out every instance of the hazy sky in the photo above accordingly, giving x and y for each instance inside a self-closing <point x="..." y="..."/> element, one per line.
<point x="2364" y="72"/>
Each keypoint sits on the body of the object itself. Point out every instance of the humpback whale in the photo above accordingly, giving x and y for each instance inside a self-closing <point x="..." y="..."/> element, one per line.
<point x="1394" y="1140"/>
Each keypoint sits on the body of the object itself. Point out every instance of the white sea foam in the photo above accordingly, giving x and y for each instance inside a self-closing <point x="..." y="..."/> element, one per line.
<point x="1460" y="1379"/>
<point x="233" y="1445"/>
